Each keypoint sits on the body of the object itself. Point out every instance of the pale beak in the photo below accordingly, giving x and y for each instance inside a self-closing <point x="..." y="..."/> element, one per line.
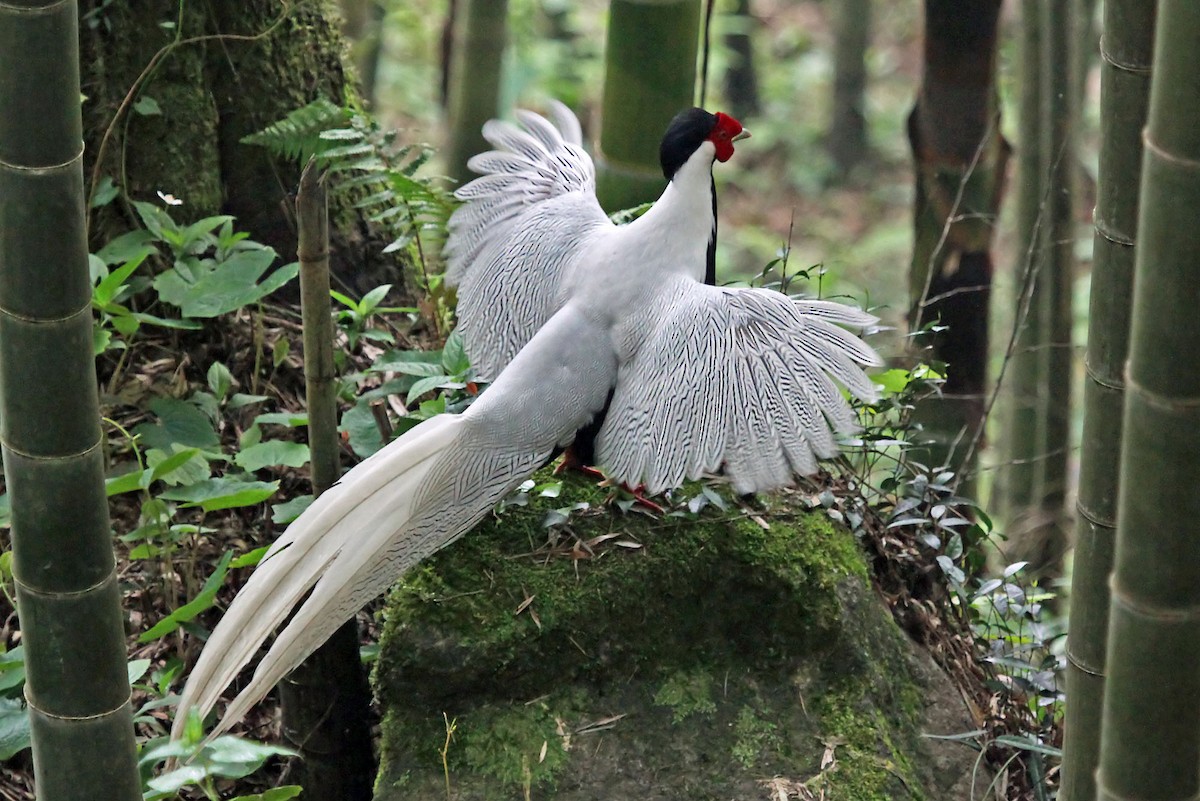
<point x="743" y="135"/>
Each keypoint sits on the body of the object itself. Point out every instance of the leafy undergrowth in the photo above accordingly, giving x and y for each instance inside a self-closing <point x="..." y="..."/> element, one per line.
<point x="207" y="458"/>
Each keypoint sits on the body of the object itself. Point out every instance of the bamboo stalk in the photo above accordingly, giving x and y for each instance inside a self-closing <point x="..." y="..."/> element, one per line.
<point x="649" y="76"/>
<point x="1019" y="478"/>
<point x="1125" y="92"/>
<point x="476" y="61"/>
<point x="1151" y="721"/>
<point x="847" y="138"/>
<point x="325" y="701"/>
<point x="1045" y="542"/>
<point x="68" y="599"/>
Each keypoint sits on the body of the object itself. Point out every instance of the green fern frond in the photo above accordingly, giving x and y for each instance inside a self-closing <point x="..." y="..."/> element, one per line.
<point x="300" y="134"/>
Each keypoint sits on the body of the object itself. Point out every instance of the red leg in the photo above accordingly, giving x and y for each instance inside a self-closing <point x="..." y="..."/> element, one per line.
<point x="572" y="462"/>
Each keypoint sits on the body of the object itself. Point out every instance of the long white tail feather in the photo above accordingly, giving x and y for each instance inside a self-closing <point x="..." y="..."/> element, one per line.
<point x="299" y="559"/>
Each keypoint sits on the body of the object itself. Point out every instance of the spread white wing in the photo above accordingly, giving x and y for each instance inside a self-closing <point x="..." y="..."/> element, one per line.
<point x="745" y="378"/>
<point x="524" y="224"/>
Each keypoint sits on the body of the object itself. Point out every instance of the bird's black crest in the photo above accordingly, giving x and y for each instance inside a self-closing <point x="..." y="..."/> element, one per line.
<point x="686" y="132"/>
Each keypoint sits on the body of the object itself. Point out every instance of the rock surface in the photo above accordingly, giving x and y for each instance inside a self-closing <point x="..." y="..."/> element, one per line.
<point x="731" y="655"/>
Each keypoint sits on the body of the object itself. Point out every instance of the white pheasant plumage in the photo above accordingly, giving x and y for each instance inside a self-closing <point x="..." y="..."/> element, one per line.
<point x="569" y="316"/>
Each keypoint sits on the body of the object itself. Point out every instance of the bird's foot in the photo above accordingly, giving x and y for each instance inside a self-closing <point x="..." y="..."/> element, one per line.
<point x="640" y="498"/>
<point x="572" y="462"/>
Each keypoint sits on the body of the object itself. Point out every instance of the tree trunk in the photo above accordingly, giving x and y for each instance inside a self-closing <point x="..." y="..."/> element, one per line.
<point x="1124" y="95"/>
<point x="741" y="76"/>
<point x="649" y="77"/>
<point x="77" y="686"/>
<point x="476" y="61"/>
<point x="847" y="140"/>
<point x="959" y="155"/>
<point x="325" y="702"/>
<point x="1151" y="722"/>
<point x="239" y="66"/>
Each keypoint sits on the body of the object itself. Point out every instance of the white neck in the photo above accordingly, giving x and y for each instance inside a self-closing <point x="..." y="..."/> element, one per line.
<point x="681" y="220"/>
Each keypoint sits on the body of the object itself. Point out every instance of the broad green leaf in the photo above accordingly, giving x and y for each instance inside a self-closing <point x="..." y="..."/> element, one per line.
<point x="223" y="493"/>
<point x="289" y="419"/>
<point x="176" y="780"/>
<point x="158" y="223"/>
<point x="372" y="299"/>
<point x="226" y="286"/>
<point x="347" y="301"/>
<point x="179" y="423"/>
<point x="236" y="750"/>
<point x="239" y="399"/>
<point x="111" y="284"/>
<point x="184" y="466"/>
<point x="893" y="381"/>
<point x="271" y="453"/>
<point x="147" y="107"/>
<point x="428" y="384"/>
<point x="125" y="482"/>
<point x="14" y="728"/>
<point x="202" y="601"/>
<point x="200" y="228"/>
<point x="128" y="247"/>
<point x="250" y="558"/>
<point x="284" y="513"/>
<point x="12" y="669"/>
<point x="106" y="192"/>
<point x="359" y="425"/>
<point x="137" y="668"/>
<point x="402" y="361"/>
<point x="220" y="380"/>
<point x="454" y="355"/>
<point x="100" y="340"/>
<point x="421" y="369"/>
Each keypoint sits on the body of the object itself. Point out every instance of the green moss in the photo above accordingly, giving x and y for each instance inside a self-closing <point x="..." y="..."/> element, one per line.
<point x="687" y="693"/>
<point x="754" y="737"/>
<point x="515" y="745"/>
<point x="870" y="764"/>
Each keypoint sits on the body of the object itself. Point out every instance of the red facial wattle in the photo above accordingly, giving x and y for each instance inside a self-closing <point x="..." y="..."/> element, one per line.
<point x="724" y="134"/>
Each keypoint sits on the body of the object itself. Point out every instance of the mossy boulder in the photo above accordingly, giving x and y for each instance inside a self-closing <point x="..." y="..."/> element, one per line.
<point x="730" y="654"/>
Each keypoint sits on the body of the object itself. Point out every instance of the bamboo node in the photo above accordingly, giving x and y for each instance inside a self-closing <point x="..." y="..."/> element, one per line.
<point x="56" y="457"/>
<point x="1124" y="66"/>
<point x="45" y="169"/>
<point x="25" y="318"/>
<point x="33" y="11"/>
<point x="61" y="594"/>
<point x="1164" y="403"/>
<point x="1094" y="518"/>
<point x="1150" y="611"/>
<point x="1183" y="162"/>
<point x="1098" y="672"/>
<point x="1115" y="384"/>
<point x="117" y="710"/>
<point x="1111" y="234"/>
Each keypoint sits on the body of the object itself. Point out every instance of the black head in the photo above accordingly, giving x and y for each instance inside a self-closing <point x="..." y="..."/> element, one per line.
<point x="690" y="129"/>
